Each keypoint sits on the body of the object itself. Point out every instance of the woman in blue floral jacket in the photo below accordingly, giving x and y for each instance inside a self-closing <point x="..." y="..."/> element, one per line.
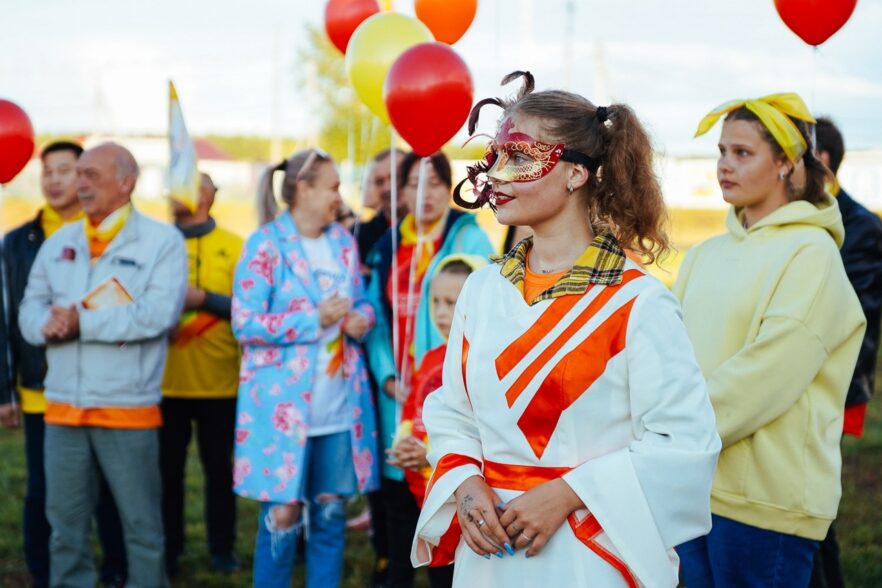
<point x="305" y="433"/>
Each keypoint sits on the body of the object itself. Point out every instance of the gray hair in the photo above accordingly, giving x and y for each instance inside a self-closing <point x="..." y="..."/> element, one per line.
<point x="299" y="167"/>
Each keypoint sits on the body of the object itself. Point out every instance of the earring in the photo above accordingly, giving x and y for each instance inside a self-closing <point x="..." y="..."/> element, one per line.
<point x="570" y="189"/>
<point x="781" y="175"/>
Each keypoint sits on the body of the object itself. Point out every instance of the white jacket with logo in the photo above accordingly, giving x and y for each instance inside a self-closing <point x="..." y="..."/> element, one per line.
<point x="119" y="356"/>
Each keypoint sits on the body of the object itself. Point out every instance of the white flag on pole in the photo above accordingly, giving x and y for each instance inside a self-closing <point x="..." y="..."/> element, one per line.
<point x="183" y="176"/>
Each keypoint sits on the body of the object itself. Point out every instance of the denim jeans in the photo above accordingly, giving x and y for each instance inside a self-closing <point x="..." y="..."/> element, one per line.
<point x="741" y="556"/>
<point x="329" y="470"/>
<point x="129" y="461"/>
<point x="35" y="528"/>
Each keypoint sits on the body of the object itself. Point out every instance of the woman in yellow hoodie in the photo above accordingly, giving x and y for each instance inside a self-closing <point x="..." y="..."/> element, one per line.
<point x="777" y="329"/>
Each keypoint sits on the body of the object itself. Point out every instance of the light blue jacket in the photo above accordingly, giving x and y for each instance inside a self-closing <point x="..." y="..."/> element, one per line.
<point x="119" y="356"/>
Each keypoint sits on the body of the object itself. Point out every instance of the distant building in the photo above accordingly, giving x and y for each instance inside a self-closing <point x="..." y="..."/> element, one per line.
<point x="237" y="178"/>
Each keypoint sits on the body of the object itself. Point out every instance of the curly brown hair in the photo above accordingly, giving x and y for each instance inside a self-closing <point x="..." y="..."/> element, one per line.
<point x="624" y="195"/>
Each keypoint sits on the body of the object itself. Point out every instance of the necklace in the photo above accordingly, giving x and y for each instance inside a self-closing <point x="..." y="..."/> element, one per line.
<point x="533" y="268"/>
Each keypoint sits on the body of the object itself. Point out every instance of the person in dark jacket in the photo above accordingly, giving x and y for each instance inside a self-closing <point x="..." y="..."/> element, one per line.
<point x="10" y="416"/>
<point x="28" y="368"/>
<point x="862" y="257"/>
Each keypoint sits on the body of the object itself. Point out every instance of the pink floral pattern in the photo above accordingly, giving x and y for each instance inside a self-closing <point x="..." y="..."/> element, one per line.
<point x="241" y="470"/>
<point x="364" y="464"/>
<point x="264" y="263"/>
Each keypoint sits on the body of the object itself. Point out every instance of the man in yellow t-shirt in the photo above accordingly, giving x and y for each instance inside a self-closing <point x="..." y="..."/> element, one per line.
<point x="58" y="181"/>
<point x="200" y="384"/>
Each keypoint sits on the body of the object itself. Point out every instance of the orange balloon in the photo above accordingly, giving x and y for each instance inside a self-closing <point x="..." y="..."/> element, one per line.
<point x="447" y="19"/>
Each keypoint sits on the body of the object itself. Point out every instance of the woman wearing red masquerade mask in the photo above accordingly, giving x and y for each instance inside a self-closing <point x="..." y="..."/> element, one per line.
<point x="572" y="437"/>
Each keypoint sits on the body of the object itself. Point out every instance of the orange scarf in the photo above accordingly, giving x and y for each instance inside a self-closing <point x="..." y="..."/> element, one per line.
<point x="100" y="237"/>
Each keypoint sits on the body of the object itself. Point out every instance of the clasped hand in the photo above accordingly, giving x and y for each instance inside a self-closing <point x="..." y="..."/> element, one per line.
<point x="409" y="453"/>
<point x="337" y="308"/>
<point x="63" y="324"/>
<point x="526" y="522"/>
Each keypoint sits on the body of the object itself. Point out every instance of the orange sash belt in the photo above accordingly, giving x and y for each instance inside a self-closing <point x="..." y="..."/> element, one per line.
<point x="524" y="477"/>
<point x="519" y="477"/>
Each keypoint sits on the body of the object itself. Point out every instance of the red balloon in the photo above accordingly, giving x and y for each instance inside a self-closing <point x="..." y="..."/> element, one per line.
<point x="447" y="19"/>
<point x="16" y="140"/>
<point x="342" y="17"/>
<point x="815" y="21"/>
<point x="428" y="93"/>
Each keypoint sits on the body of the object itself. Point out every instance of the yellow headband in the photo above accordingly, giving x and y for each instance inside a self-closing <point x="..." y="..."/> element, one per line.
<point x="774" y="111"/>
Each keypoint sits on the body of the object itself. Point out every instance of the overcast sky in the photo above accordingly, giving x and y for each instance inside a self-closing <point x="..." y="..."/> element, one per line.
<point x="102" y="64"/>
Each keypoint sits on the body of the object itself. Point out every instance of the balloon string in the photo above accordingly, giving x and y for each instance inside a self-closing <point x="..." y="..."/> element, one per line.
<point x="393" y="201"/>
<point x="414" y="258"/>
<point x="367" y="143"/>
<point x="815" y="51"/>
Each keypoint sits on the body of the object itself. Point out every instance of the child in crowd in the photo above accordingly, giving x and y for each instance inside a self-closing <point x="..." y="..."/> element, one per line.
<point x="411" y="443"/>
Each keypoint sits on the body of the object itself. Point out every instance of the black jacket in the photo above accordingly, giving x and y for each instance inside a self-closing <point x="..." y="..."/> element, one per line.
<point x="367" y="234"/>
<point x="862" y="257"/>
<point x="5" y="374"/>
<point x="19" y="251"/>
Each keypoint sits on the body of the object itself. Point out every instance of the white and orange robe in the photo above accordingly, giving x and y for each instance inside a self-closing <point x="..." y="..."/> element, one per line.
<point x="600" y="388"/>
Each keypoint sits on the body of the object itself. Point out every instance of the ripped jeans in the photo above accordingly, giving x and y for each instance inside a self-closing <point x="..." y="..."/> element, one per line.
<point x="329" y="481"/>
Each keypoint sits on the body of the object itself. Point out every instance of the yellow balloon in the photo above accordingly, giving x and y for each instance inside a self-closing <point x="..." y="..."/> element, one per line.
<point x="374" y="47"/>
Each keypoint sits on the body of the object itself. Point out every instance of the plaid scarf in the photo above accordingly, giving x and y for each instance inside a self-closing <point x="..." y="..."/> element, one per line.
<point x="601" y="263"/>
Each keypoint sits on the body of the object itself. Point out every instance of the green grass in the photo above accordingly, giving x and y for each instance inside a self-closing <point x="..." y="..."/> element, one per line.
<point x="859" y="524"/>
<point x="194" y="563"/>
<point x="860" y="513"/>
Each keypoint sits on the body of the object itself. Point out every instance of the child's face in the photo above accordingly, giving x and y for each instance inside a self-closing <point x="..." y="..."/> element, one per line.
<point x="445" y="289"/>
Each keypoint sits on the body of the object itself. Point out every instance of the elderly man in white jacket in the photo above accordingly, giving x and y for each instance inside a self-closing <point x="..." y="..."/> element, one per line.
<point x="102" y="296"/>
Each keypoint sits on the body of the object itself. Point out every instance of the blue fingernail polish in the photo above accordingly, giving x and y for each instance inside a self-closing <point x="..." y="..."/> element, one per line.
<point x="499" y="554"/>
<point x="501" y="505"/>
<point x="527" y="555"/>
<point x="509" y="549"/>
<point x="486" y="556"/>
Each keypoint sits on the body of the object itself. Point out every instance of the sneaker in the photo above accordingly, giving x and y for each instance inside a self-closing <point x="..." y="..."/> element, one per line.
<point x="225" y="563"/>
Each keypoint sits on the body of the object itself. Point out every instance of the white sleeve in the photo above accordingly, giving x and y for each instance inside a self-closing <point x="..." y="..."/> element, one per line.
<point x="655" y="493"/>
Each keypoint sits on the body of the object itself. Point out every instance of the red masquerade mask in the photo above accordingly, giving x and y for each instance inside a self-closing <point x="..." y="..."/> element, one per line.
<point x="516" y="157"/>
